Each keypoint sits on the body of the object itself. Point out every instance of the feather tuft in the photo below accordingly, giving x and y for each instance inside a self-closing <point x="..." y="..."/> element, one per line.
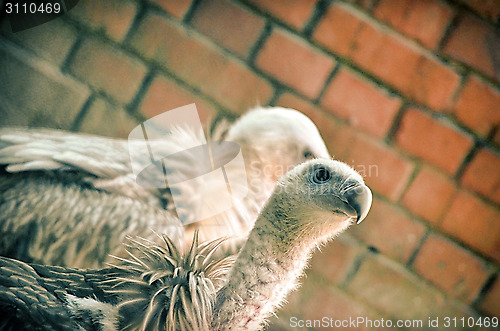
<point x="160" y="288"/>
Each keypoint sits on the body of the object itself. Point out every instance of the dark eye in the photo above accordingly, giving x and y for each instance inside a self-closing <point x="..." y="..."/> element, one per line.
<point x="321" y="175"/>
<point x="308" y="154"/>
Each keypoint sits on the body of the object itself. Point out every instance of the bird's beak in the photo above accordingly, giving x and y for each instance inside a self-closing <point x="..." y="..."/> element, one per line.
<point x="359" y="198"/>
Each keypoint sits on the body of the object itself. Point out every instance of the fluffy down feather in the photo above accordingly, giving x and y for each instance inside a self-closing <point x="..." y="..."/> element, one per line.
<point x="156" y="288"/>
<point x="159" y="288"/>
<point x="70" y="199"/>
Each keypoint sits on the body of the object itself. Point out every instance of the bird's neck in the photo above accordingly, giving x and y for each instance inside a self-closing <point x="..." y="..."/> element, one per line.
<point x="266" y="270"/>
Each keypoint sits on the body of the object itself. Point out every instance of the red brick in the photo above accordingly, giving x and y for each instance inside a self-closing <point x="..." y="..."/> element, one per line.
<point x="424" y="20"/>
<point x="483" y="175"/>
<point x="351" y="97"/>
<point x="164" y="94"/>
<point x="393" y="290"/>
<point x="228" y="24"/>
<point x="338" y="29"/>
<point x="326" y="124"/>
<point x="293" y="12"/>
<point x="294" y="62"/>
<point x="199" y="64"/>
<point x="114" y="17"/>
<point x="52" y="40"/>
<point x="293" y="305"/>
<point x="176" y="8"/>
<point x="429" y="194"/>
<point x="389" y="230"/>
<point x="104" y="119"/>
<point x="279" y="322"/>
<point x="470" y="43"/>
<point x="385" y="171"/>
<point x="335" y="304"/>
<point x="367" y="4"/>
<point x="451" y="268"/>
<point x="35" y="93"/>
<point x="491" y="301"/>
<point x="334" y="261"/>
<point x="108" y="69"/>
<point x="413" y="71"/>
<point x="475" y="223"/>
<point x="496" y="137"/>
<point x="432" y="140"/>
<point x="478" y="106"/>
<point x="486" y="8"/>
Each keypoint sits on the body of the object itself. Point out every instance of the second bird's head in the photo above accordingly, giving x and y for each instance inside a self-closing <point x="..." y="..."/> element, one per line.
<point x="277" y="139"/>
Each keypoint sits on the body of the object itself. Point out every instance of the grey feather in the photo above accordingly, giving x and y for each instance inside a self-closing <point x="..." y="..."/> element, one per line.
<point x="160" y="288"/>
<point x="70" y="199"/>
<point x="156" y="288"/>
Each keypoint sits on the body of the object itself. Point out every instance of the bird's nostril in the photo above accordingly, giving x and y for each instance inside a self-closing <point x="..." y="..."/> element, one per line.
<point x="360" y="198"/>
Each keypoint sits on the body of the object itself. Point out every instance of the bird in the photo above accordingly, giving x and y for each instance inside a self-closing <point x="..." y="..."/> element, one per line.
<point x="70" y="199"/>
<point x="159" y="288"/>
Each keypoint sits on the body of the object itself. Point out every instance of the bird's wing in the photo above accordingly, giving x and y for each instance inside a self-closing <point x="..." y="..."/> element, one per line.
<point x="107" y="164"/>
<point x="104" y="163"/>
<point x="34" y="297"/>
<point x="23" y="149"/>
<point x="72" y="225"/>
<point x="158" y="288"/>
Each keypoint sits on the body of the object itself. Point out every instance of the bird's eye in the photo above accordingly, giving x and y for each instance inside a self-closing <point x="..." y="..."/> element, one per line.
<point x="321" y="175"/>
<point x="308" y="154"/>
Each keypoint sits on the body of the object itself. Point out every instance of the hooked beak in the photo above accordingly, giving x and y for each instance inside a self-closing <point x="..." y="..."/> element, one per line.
<point x="360" y="199"/>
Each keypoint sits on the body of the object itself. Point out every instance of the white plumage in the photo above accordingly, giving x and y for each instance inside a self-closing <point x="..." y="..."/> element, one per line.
<point x="158" y="288"/>
<point x="70" y="199"/>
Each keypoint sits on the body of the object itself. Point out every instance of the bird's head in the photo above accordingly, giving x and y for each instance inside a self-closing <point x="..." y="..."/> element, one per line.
<point x="277" y="139"/>
<point x="322" y="198"/>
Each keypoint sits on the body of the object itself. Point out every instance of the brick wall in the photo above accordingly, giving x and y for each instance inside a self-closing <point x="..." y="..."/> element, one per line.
<point x="406" y="91"/>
